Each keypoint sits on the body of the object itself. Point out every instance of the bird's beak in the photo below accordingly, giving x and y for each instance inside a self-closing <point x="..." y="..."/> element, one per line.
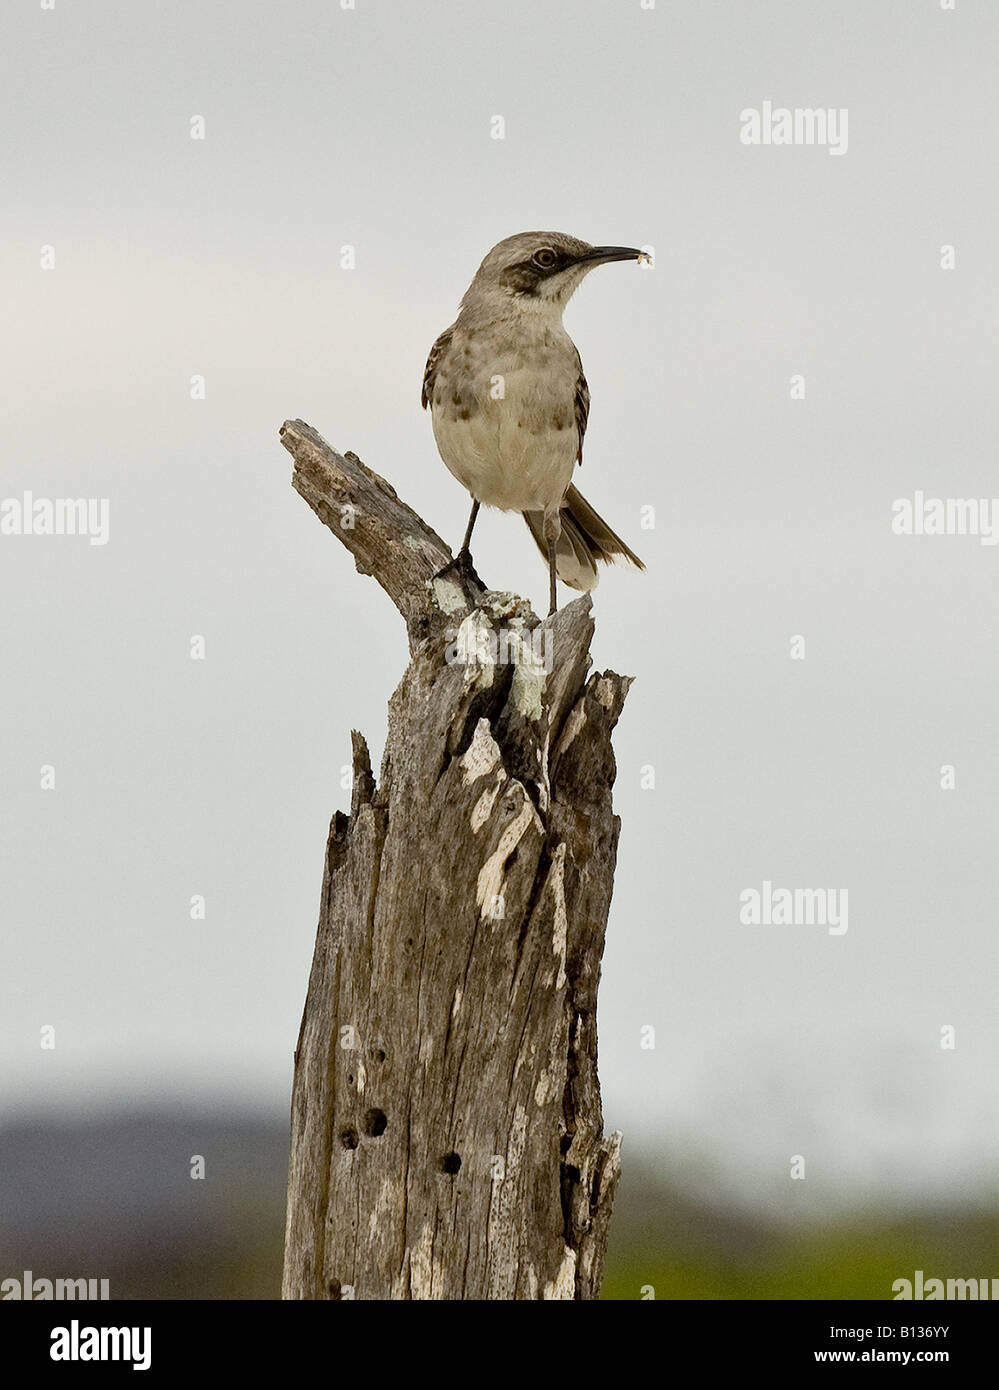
<point x="603" y="255"/>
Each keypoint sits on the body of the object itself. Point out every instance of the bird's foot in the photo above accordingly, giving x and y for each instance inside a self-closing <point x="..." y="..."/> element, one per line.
<point x="461" y="566"/>
<point x="452" y="564"/>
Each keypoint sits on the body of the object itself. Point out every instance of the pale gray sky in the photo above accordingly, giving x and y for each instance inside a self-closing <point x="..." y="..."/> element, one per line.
<point x="372" y="128"/>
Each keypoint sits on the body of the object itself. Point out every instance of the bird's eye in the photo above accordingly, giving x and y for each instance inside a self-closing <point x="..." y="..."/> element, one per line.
<point x="545" y="258"/>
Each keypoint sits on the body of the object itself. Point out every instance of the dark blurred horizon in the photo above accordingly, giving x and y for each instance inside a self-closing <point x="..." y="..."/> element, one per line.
<point x="111" y="1197"/>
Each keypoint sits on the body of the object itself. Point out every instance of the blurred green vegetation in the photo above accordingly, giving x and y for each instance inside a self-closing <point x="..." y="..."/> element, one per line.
<point x="686" y="1250"/>
<point x="703" y="1257"/>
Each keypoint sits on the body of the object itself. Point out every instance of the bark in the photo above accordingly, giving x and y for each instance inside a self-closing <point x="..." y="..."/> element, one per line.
<point x="446" y="1132"/>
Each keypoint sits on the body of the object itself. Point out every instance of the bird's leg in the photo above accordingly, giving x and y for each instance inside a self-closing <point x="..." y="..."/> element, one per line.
<point x="462" y="562"/>
<point x="463" y="559"/>
<point x="464" y="551"/>
<point x="552" y="531"/>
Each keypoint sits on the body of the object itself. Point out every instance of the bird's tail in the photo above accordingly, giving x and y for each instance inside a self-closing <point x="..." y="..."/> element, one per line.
<point x="585" y="539"/>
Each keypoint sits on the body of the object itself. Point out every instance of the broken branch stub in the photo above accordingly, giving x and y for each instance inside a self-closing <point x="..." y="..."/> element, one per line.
<point x="447" y="1135"/>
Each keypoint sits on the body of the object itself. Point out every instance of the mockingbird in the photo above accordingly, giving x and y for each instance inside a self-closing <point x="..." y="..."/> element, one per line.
<point x="509" y="400"/>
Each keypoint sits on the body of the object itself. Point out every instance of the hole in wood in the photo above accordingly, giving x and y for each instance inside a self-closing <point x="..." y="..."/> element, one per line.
<point x="378" y="1055"/>
<point x="375" y="1123"/>
<point x="450" y="1163"/>
<point x="336" y="1289"/>
<point x="348" y="1137"/>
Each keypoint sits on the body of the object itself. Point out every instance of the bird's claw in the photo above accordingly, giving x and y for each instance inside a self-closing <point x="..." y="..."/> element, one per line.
<point x="461" y="564"/>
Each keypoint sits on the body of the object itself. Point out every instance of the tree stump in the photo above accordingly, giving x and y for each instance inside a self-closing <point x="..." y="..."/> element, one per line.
<point x="446" y="1131"/>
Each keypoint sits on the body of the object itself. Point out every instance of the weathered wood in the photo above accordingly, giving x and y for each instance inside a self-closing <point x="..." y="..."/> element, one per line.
<point x="447" y="1137"/>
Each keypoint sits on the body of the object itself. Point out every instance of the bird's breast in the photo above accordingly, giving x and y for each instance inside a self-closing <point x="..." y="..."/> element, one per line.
<point x="505" y="425"/>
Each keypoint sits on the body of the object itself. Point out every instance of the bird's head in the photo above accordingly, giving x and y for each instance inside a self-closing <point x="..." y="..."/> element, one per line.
<point x="540" y="270"/>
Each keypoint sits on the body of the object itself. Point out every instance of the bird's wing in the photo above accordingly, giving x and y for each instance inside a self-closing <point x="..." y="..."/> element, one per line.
<point x="433" y="362"/>
<point x="582" y="408"/>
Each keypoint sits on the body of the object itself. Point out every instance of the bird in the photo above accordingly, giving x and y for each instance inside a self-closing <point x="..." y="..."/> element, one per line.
<point x="509" y="401"/>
